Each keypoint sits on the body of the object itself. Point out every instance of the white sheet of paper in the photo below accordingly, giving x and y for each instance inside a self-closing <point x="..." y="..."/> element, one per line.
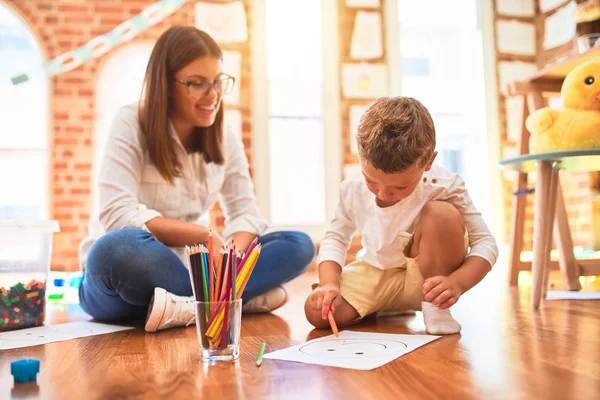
<point x="511" y="71"/>
<point x="547" y="5"/>
<point x="362" y="3"/>
<point x="558" y="295"/>
<point x="233" y="121"/>
<point x="516" y="8"/>
<point x="55" y="333"/>
<point x="515" y="37"/>
<point x="366" y="42"/>
<point x="226" y="23"/>
<point x="232" y="65"/>
<point x="353" y="350"/>
<point x="364" y="81"/>
<point x="560" y="27"/>
<point x="356" y="112"/>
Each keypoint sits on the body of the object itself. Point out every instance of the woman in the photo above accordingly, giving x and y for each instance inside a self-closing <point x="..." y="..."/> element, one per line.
<point x="165" y="162"/>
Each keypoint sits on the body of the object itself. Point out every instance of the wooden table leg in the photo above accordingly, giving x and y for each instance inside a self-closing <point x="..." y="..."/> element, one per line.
<point x="549" y="224"/>
<point x="562" y="236"/>
<point x="540" y="226"/>
<point x="519" y="202"/>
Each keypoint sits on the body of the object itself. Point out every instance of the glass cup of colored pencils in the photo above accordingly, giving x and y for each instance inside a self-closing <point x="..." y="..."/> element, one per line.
<point x="218" y="282"/>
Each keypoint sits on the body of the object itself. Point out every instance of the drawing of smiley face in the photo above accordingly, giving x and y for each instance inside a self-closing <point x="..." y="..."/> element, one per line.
<point x="353" y="348"/>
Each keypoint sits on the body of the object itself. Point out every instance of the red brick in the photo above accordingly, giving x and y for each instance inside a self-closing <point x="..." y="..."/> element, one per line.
<point x="78" y="19"/>
<point x="72" y="8"/>
<point x="80" y="191"/>
<point x="65" y="141"/>
<point x="51" y="20"/>
<point x="58" y="191"/>
<point x="108" y="20"/>
<point x="62" y="92"/>
<point x="68" y="203"/>
<point x="60" y="165"/>
<point x="102" y="9"/>
<point x="74" y="129"/>
<point x="83" y="166"/>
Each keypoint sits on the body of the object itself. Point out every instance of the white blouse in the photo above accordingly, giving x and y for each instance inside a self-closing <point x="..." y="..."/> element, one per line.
<point x="132" y="192"/>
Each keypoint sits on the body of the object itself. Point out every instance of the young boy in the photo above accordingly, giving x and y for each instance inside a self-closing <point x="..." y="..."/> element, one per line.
<point x="416" y="221"/>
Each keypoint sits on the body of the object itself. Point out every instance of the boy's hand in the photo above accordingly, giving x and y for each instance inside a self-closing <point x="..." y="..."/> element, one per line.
<point x="441" y="291"/>
<point x="326" y="296"/>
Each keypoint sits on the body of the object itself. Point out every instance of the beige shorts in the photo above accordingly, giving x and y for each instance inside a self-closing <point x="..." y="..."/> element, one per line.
<point x="369" y="289"/>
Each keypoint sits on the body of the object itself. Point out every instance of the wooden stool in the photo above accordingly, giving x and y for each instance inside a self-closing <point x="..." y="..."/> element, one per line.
<point x="550" y="213"/>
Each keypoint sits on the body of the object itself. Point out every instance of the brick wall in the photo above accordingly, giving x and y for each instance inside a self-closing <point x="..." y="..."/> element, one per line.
<point x="61" y="26"/>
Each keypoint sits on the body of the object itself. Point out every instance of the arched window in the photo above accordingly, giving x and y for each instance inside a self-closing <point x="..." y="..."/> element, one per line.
<point x="24" y="163"/>
<point x="119" y="83"/>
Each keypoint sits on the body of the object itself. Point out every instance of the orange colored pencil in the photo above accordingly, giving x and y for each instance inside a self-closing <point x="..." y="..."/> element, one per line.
<point x="334" y="327"/>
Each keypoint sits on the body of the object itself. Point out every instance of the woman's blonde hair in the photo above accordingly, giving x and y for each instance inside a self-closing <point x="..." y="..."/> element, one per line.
<point x="176" y="48"/>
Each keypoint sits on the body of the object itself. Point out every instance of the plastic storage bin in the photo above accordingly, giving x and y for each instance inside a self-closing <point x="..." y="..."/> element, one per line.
<point x="25" y="253"/>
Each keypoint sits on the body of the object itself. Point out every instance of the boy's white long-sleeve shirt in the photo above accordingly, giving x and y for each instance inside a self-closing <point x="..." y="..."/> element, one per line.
<point x="386" y="231"/>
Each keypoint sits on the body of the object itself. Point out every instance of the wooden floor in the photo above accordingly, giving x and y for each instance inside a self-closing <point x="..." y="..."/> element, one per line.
<point x="505" y="351"/>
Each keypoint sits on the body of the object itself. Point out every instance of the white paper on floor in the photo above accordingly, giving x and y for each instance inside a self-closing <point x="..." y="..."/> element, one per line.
<point x="353" y="350"/>
<point x="55" y="333"/>
<point x="566" y="295"/>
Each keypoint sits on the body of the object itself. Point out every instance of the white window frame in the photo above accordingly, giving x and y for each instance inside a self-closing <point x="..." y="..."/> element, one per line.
<point x="486" y="16"/>
<point x="331" y="117"/>
<point x="46" y="211"/>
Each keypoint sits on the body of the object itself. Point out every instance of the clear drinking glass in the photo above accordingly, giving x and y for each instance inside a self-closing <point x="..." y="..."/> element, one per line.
<point x="218" y="325"/>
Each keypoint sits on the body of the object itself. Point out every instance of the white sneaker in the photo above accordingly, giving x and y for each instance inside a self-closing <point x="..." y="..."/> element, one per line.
<point x="167" y="310"/>
<point x="266" y="302"/>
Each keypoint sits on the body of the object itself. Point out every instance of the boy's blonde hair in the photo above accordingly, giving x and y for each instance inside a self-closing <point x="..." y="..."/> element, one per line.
<point x="396" y="133"/>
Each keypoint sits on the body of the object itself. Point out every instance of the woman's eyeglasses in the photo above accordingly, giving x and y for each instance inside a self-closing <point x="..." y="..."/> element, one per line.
<point x="223" y="85"/>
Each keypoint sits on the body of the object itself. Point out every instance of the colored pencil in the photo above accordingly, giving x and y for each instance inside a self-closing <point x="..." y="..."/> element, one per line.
<point x="219" y="279"/>
<point x="334" y="327"/>
<point x="261" y="353"/>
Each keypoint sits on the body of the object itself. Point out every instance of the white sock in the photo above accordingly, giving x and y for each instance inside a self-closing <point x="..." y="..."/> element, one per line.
<point x="437" y="321"/>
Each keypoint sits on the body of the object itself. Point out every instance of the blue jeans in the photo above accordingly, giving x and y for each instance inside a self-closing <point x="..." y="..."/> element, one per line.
<point x="124" y="266"/>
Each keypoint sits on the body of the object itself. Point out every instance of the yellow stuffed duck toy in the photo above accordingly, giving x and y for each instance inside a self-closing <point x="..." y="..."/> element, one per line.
<point x="577" y="125"/>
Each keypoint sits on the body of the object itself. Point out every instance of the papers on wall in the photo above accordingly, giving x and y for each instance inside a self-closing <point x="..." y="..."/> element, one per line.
<point x="364" y="81"/>
<point x="511" y="71"/>
<point x="513" y="37"/>
<point x="548" y="5"/>
<point x="516" y="8"/>
<point x="366" y="43"/>
<point x="226" y="23"/>
<point x="560" y="27"/>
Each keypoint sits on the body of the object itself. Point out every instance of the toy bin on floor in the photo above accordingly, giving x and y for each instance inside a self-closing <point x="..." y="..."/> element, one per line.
<point x="25" y="253"/>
